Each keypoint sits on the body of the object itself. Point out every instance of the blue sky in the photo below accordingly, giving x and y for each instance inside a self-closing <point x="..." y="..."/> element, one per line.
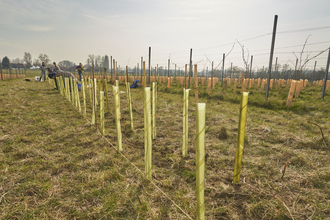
<point x="70" y="30"/>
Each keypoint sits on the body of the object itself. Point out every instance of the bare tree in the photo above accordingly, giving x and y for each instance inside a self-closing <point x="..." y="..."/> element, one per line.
<point x="98" y="61"/>
<point x="303" y="61"/>
<point x="66" y="63"/>
<point x="91" y="58"/>
<point x="17" y="60"/>
<point x="27" y="59"/>
<point x="44" y="58"/>
<point x="88" y="63"/>
<point x="36" y="62"/>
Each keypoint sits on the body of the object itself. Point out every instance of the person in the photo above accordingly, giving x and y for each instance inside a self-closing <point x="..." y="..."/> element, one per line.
<point x="56" y="67"/>
<point x="80" y="69"/>
<point x="43" y="69"/>
<point x="52" y="74"/>
<point x="135" y="84"/>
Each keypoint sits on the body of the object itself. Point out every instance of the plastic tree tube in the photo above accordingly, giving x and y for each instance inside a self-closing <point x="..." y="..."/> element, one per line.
<point x="95" y="92"/>
<point x="117" y="116"/>
<point x="78" y="99"/>
<point x="59" y="83"/>
<point x="75" y="94"/>
<point x="93" y="105"/>
<point x="84" y="95"/>
<point x="102" y="112"/>
<point x="90" y="89"/>
<point x="185" y="123"/>
<point x="64" y="86"/>
<point x="67" y="88"/>
<point x="200" y="159"/>
<point x="130" y="107"/>
<point x="240" y="137"/>
<point x="153" y="110"/>
<point x="99" y="88"/>
<point x="147" y="132"/>
<point x="291" y="92"/>
<point x="72" y="94"/>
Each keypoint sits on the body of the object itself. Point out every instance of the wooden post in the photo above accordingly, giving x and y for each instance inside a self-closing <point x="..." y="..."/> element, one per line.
<point x="185" y="77"/>
<point x="114" y="71"/>
<point x="242" y="84"/>
<point x="149" y="66"/>
<point x="1" y="71"/>
<point x="144" y="74"/>
<point x="190" y="67"/>
<point x="212" y="79"/>
<point x="106" y="94"/>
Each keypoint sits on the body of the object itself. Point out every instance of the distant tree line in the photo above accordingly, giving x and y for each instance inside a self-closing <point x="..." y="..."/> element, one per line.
<point x="97" y="62"/>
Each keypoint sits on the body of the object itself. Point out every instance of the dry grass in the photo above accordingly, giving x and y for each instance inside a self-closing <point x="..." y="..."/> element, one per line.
<point x="54" y="165"/>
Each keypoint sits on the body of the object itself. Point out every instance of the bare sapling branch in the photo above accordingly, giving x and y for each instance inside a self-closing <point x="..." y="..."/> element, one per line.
<point x="246" y="64"/>
<point x="284" y="169"/>
<point x="320" y="130"/>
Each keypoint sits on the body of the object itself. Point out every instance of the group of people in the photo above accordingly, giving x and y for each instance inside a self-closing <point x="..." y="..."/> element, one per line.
<point x="57" y="72"/>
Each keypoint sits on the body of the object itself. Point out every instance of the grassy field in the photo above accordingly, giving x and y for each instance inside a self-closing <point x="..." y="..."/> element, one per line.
<point x="55" y="165"/>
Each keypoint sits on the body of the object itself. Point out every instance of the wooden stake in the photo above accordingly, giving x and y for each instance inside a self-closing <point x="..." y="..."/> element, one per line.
<point x="185" y="77"/>
<point x="144" y="74"/>
<point x="196" y="85"/>
<point x="105" y="85"/>
<point x="242" y="89"/>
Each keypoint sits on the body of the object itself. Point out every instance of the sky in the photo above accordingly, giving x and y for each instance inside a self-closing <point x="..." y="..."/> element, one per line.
<point x="125" y="29"/>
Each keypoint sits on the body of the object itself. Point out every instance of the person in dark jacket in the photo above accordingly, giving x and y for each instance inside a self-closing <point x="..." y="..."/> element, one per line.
<point x="52" y="74"/>
<point x="80" y="70"/>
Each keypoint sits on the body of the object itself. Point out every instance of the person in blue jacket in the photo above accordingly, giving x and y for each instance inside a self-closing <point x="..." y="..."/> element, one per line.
<point x="135" y="84"/>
